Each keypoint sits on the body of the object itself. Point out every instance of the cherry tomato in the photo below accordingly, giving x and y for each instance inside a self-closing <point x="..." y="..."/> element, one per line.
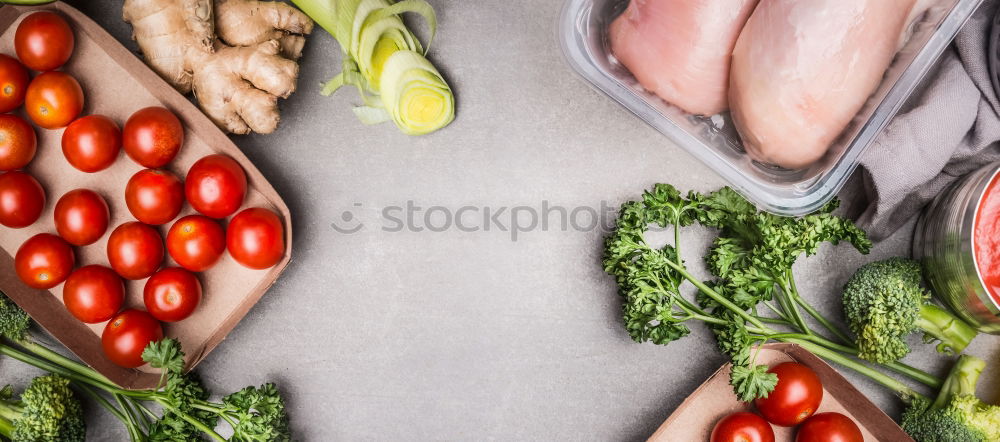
<point x="829" y="427"/>
<point x="742" y="427"/>
<point x="81" y="217"/>
<point x="93" y="293"/>
<point x="196" y="242"/>
<point x="135" y="250"/>
<point x="215" y="186"/>
<point x="17" y="142"/>
<point x="127" y="335"/>
<point x="21" y="199"/>
<point x="152" y="136"/>
<point x="13" y="83"/>
<point x="91" y="143"/>
<point x="255" y="238"/>
<point x="154" y="196"/>
<point x="43" y="41"/>
<point x="43" y="261"/>
<point x="172" y="294"/>
<point x="53" y="100"/>
<point x="795" y="398"/>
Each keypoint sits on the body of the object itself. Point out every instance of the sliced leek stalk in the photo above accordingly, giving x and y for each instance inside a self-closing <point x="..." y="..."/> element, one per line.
<point x="414" y="94"/>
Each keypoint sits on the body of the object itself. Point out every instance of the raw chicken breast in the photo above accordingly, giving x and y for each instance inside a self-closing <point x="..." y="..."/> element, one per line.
<point x="802" y="69"/>
<point x="680" y="49"/>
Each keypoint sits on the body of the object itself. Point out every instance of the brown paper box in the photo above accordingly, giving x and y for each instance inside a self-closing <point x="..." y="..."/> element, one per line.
<point x="696" y="416"/>
<point x="115" y="84"/>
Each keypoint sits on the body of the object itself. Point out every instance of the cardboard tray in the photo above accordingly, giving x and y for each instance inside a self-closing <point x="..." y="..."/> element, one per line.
<point x="696" y="416"/>
<point x="115" y="84"/>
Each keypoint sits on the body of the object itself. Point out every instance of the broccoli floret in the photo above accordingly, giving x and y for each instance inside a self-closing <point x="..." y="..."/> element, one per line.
<point x="47" y="411"/>
<point x="14" y="322"/>
<point x="884" y="302"/>
<point x="956" y="415"/>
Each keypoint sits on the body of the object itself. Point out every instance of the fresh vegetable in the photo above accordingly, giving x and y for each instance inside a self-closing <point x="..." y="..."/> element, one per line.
<point x="17" y="142"/>
<point x="93" y="293"/>
<point x="829" y="427"/>
<point x="43" y="41"/>
<point x="48" y="410"/>
<point x="255" y="238"/>
<point x="154" y="196"/>
<point x="92" y="143"/>
<point x="21" y="199"/>
<point x="53" y="99"/>
<point x="795" y="397"/>
<point x="196" y="242"/>
<point x="215" y="186"/>
<point x="742" y="427"/>
<point x="152" y="136"/>
<point x="13" y="83"/>
<point x="81" y="217"/>
<point x="126" y="336"/>
<point x="135" y="250"/>
<point x="386" y="62"/>
<point x="956" y="414"/>
<point x="172" y="294"/>
<point x="884" y="302"/>
<point x="44" y="261"/>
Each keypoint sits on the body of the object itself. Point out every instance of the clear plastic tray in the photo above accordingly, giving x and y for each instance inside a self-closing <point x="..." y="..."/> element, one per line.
<point x="713" y="140"/>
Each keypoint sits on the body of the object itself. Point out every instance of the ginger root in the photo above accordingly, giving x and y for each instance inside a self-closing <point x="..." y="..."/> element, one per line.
<point x="237" y="80"/>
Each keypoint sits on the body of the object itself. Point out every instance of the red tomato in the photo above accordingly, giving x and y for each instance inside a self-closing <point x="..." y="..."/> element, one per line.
<point x="829" y="427"/>
<point x="127" y="335"/>
<point x="43" y="41"/>
<point x="91" y="143"/>
<point x="93" y="293"/>
<point x="215" y="186"/>
<point x="795" y="398"/>
<point x="13" y="83"/>
<point x="21" y="199"/>
<point x="154" y="196"/>
<point x="135" y="250"/>
<point x="196" y="242"/>
<point x="255" y="238"/>
<point x="43" y="261"/>
<point x="17" y="142"/>
<point x="53" y="100"/>
<point x="152" y="136"/>
<point x="742" y="427"/>
<point x="81" y="217"/>
<point x="172" y="294"/>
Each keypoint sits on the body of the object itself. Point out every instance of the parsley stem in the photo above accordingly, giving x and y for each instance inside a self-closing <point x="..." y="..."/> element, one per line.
<point x="902" y="389"/>
<point x="714" y="295"/>
<point x="797" y="297"/>
<point x="792" y="307"/>
<point x="187" y="418"/>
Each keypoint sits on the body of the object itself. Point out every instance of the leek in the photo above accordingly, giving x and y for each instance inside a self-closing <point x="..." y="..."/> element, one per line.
<point x="386" y="62"/>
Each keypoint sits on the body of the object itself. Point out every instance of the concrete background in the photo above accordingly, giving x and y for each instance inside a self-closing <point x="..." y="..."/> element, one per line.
<point x="452" y="335"/>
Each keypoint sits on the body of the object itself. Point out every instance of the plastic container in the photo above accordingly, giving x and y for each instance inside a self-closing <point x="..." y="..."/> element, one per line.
<point x="713" y="140"/>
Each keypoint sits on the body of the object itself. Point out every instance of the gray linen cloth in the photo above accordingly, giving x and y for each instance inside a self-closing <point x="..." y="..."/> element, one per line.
<point x="948" y="128"/>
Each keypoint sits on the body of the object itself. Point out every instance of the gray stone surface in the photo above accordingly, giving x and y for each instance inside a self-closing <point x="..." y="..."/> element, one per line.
<point x="468" y="335"/>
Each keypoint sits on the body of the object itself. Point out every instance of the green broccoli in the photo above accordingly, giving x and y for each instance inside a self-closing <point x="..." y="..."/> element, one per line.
<point x="884" y="302"/>
<point x="47" y="411"/>
<point x="956" y="415"/>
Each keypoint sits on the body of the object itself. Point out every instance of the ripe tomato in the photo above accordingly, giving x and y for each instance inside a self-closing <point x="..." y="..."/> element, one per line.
<point x="154" y="196"/>
<point x="742" y="427"/>
<point x="135" y="250"/>
<point x="17" y="142"/>
<point x="43" y="41"/>
<point x="255" y="238"/>
<point x="152" y="136"/>
<point x="795" y="398"/>
<point x="21" y="199"/>
<point x="43" y="261"/>
<point x="93" y="293"/>
<point x="53" y="100"/>
<point x="829" y="427"/>
<point x="172" y="294"/>
<point x="215" y="186"/>
<point x="91" y="143"/>
<point x="13" y="83"/>
<point x="127" y="335"/>
<point x="196" y="242"/>
<point x="81" y="217"/>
